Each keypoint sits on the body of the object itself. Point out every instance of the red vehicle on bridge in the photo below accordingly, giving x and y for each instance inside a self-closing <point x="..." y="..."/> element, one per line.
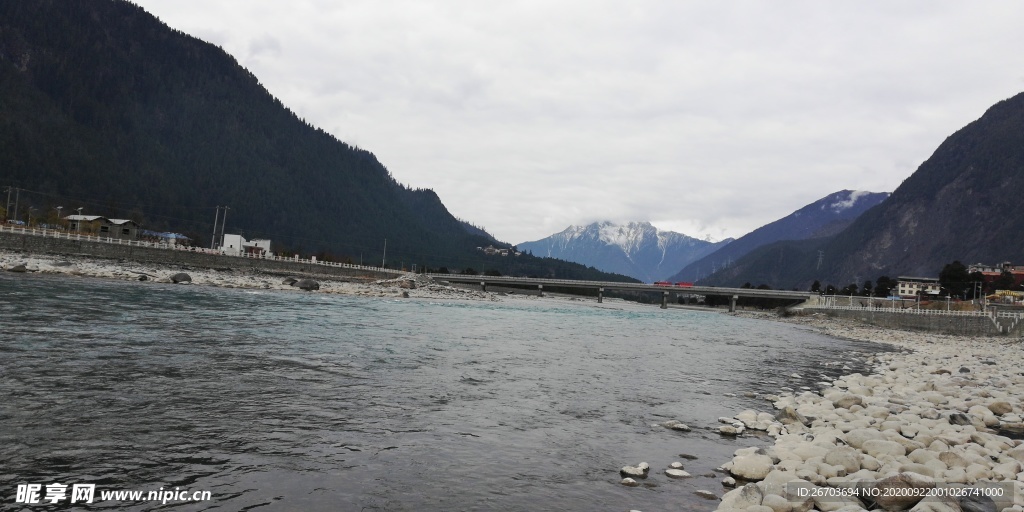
<point x="662" y="283"/>
<point x="684" y="284"/>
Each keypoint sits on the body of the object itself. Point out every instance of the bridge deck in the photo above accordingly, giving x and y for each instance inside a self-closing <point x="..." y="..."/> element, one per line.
<point x="613" y="285"/>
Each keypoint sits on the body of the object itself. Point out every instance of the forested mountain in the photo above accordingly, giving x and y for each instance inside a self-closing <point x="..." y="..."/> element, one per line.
<point x="635" y="249"/>
<point x="104" y="107"/>
<point x="960" y="204"/>
<point x="822" y="218"/>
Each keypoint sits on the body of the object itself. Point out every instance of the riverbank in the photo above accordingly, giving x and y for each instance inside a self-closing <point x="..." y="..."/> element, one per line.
<point x="405" y="286"/>
<point x="941" y="410"/>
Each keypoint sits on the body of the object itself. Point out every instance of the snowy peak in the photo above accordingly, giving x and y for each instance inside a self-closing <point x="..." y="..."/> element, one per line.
<point x="844" y="200"/>
<point x="636" y="249"/>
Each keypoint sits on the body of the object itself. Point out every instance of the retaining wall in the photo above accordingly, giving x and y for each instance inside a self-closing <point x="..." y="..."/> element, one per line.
<point x="33" y="244"/>
<point x="959" y="325"/>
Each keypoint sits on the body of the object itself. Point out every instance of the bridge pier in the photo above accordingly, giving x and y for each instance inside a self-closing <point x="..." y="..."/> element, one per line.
<point x="540" y="290"/>
<point x="483" y="286"/>
<point x="732" y="303"/>
<point x="600" y="295"/>
<point x="664" y="300"/>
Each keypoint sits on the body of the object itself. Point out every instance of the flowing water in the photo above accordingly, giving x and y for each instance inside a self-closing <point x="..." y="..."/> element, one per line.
<point x="296" y="401"/>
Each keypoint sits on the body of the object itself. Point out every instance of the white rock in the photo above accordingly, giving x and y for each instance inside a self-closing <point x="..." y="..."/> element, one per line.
<point x="677" y="473"/>
<point x="878" y="448"/>
<point x="742" y="498"/>
<point x="731" y="430"/>
<point x="751" y="467"/>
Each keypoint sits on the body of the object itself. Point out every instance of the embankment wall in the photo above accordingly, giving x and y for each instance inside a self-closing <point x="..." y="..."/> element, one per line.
<point x="33" y="244"/>
<point x="958" y="325"/>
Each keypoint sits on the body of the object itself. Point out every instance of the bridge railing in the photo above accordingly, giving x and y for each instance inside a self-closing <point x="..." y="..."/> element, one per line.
<point x="835" y="302"/>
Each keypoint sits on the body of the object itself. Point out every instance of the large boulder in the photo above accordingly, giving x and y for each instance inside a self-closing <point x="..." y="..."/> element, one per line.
<point x="751" y="467"/>
<point x="307" y="284"/>
<point x="18" y="268"/>
<point x="181" y="277"/>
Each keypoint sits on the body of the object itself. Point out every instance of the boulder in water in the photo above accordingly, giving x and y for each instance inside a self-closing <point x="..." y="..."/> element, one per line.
<point x="18" y="268"/>
<point x="289" y="281"/>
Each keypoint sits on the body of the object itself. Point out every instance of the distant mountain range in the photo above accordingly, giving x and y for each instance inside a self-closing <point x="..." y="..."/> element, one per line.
<point x="635" y="249"/>
<point x="962" y="204"/>
<point x="822" y="218"/>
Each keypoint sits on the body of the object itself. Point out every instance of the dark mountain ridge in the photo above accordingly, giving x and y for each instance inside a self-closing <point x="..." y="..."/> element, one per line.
<point x="960" y="204"/>
<point x="104" y="106"/>
<point x="822" y="218"/>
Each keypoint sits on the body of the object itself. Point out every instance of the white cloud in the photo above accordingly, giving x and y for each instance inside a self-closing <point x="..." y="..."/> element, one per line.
<point x="702" y="117"/>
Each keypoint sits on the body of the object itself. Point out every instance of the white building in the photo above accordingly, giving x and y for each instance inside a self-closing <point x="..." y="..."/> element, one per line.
<point x="236" y="245"/>
<point x="911" y="286"/>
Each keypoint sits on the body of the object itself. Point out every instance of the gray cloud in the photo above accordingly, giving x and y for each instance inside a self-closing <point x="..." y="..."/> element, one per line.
<point x="709" y="118"/>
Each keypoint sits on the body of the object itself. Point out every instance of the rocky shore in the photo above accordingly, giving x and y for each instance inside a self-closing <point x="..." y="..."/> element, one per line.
<point x="935" y="427"/>
<point x="405" y="286"/>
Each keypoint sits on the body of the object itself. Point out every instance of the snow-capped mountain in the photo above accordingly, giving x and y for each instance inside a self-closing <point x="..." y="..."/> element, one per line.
<point x="636" y="249"/>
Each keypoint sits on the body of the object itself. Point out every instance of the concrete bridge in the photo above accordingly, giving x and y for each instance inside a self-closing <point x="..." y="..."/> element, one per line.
<point x="600" y="286"/>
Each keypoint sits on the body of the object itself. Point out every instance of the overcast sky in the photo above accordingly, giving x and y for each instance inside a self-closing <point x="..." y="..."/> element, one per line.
<point x="708" y="118"/>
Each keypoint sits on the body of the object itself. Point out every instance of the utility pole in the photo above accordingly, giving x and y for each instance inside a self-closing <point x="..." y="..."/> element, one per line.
<point x="7" y="211"/>
<point x="17" y="192"/>
<point x="223" y="222"/>
<point x="213" y="239"/>
<point x="821" y="258"/>
<point x="383" y="261"/>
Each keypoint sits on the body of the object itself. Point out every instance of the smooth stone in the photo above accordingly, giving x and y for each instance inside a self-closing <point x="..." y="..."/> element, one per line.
<point x="633" y="472"/>
<point x="307" y="284"/>
<point x="676" y="465"/>
<point x="747" y="417"/>
<point x="18" y="268"/>
<point x="731" y="430"/>
<point x="181" y="277"/>
<point x="878" y="448"/>
<point x="857" y="437"/>
<point x="1000" y="408"/>
<point x="788" y="415"/>
<point x="846" y="401"/>
<point x="751" y="467"/>
<point x="629" y="482"/>
<point x="743" y="498"/>
<point x="677" y="473"/>
<point x="728" y="482"/>
<point x="843" y="456"/>
<point x="777" y="503"/>
<point x="676" y="425"/>
<point x="708" y="495"/>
